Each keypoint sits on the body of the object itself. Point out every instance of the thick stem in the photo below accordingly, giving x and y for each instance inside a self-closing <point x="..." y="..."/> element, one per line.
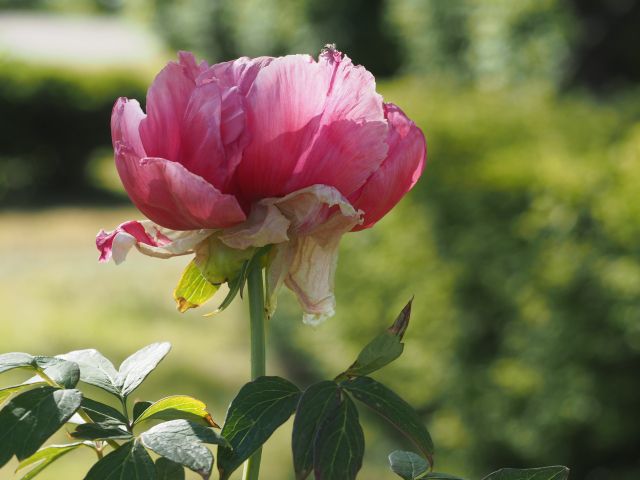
<point x="258" y="357"/>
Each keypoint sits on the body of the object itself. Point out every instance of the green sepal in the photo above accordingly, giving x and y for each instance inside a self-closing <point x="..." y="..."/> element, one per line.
<point x="193" y="288"/>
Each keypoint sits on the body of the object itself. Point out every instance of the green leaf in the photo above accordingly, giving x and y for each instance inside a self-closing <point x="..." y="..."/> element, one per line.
<point x="139" y="408"/>
<point x="100" y="413"/>
<point x="7" y="392"/>
<point x="316" y="404"/>
<point x="175" y="407"/>
<point x="257" y="411"/>
<point x="135" y="369"/>
<point x="439" y="476"/>
<point x="390" y="406"/>
<point x="64" y="372"/>
<point x="9" y="361"/>
<point x="101" y="431"/>
<point x="544" y="473"/>
<point x="408" y="465"/>
<point x="182" y="442"/>
<point x="382" y="350"/>
<point x="168" y="470"/>
<point x="30" y="418"/>
<point x="193" y="289"/>
<point x="45" y="457"/>
<point x="339" y="446"/>
<point x="129" y="462"/>
<point x="95" y="369"/>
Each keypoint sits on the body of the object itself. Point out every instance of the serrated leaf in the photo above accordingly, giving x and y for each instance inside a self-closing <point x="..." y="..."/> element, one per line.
<point x="101" y="431"/>
<point x="193" y="288"/>
<point x="390" y="406"/>
<point x="543" y="473"/>
<point x="45" y="457"/>
<point x="316" y="404"/>
<point x="64" y="372"/>
<point x="176" y="407"/>
<point x="382" y="350"/>
<point x="168" y="470"/>
<point x="131" y="462"/>
<point x="258" y="410"/>
<point x="29" y="419"/>
<point x="183" y="442"/>
<point x="139" y="408"/>
<point x="100" y="413"/>
<point x="408" y="465"/>
<point x="95" y="369"/>
<point x="339" y="445"/>
<point x="135" y="369"/>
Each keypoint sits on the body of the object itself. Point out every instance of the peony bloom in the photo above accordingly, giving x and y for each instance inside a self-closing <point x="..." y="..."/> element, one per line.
<point x="289" y="152"/>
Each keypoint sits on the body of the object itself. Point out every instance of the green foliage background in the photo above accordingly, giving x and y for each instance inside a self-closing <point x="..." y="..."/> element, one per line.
<point x="520" y="243"/>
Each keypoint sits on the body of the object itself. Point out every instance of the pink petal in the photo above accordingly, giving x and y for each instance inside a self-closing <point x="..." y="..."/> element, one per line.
<point x="285" y="104"/>
<point x="104" y="240"/>
<point x="149" y="239"/>
<point x="311" y="123"/>
<point x="125" y="123"/>
<point x="349" y="145"/>
<point x="173" y="197"/>
<point x="167" y="101"/>
<point x="398" y="173"/>
<point x="239" y="73"/>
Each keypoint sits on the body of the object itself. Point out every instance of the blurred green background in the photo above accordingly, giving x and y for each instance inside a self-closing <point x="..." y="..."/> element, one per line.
<point x="521" y="243"/>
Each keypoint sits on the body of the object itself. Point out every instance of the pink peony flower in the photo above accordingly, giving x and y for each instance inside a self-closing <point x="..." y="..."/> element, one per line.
<point x="287" y="151"/>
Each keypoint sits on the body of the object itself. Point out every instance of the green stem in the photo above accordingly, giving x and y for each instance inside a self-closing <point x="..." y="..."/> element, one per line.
<point x="258" y="357"/>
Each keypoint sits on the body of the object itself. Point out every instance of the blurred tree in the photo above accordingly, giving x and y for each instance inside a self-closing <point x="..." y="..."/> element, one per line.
<point x="360" y="29"/>
<point x="605" y="53"/>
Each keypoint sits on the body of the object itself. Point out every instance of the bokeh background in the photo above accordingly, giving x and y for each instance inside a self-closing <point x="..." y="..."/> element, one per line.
<point x="521" y="243"/>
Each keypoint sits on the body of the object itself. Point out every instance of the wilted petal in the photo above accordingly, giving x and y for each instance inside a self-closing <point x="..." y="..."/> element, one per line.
<point x="149" y="239"/>
<point x="173" y="197"/>
<point x="265" y="226"/>
<point x="319" y="217"/>
<point x="398" y="173"/>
